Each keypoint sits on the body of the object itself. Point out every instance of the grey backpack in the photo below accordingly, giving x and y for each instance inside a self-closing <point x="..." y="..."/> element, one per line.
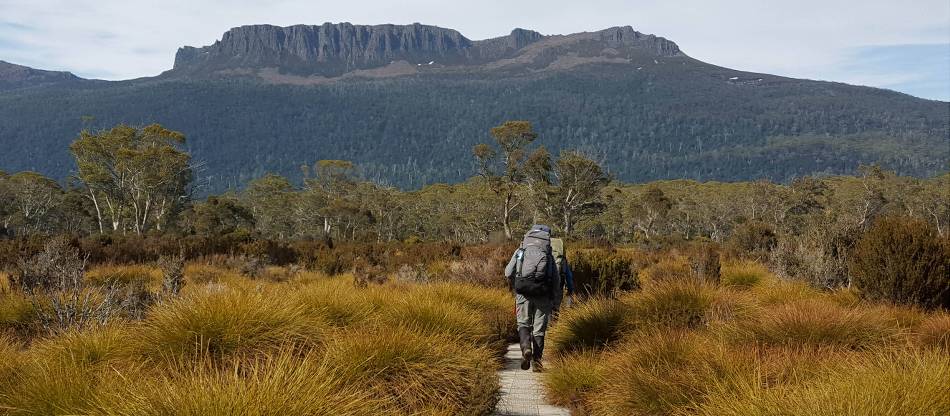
<point x="533" y="277"/>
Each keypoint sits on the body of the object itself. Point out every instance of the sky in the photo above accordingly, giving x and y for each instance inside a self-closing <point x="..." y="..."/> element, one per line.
<point x="899" y="45"/>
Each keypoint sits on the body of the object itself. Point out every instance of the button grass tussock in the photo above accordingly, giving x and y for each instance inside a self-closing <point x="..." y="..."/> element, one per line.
<point x="230" y="345"/>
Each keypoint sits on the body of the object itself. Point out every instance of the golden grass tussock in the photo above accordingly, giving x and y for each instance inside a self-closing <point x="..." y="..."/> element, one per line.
<point x="422" y="372"/>
<point x="225" y="320"/>
<point x="934" y="331"/>
<point x="886" y="383"/>
<point x="671" y="304"/>
<point x="126" y="275"/>
<point x="495" y="307"/>
<point x="428" y="314"/>
<point x="16" y="312"/>
<point x="334" y="301"/>
<point x="6" y="284"/>
<point x="744" y="274"/>
<point x="816" y="323"/>
<point x="47" y="387"/>
<point x="569" y="380"/>
<point x="285" y="382"/>
<point x="778" y="292"/>
<point x="592" y="324"/>
<point x="10" y="350"/>
<point x="230" y="344"/>
<point x="668" y="269"/>
<point x="88" y="347"/>
<point x="668" y="372"/>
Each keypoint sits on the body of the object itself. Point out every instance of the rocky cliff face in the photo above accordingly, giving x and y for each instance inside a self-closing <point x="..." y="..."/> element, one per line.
<point x="334" y="49"/>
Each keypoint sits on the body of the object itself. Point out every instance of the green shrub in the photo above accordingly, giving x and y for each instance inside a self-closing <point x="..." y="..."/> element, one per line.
<point x="603" y="272"/>
<point x="753" y="240"/>
<point x="903" y="260"/>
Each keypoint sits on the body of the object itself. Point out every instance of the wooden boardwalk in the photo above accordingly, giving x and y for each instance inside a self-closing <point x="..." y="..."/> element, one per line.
<point x="521" y="391"/>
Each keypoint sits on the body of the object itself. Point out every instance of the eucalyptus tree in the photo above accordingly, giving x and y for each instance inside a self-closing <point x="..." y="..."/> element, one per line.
<point x="135" y="178"/>
<point x="504" y="171"/>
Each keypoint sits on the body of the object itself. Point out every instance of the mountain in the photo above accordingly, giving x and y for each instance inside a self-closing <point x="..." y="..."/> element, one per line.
<point x="14" y="76"/>
<point x="407" y="103"/>
<point x="332" y="50"/>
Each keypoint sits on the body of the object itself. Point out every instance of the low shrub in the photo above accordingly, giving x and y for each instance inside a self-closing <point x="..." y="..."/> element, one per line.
<point x="819" y="256"/>
<point x="592" y="324"/>
<point x="752" y="240"/>
<point x="603" y="272"/>
<point x="705" y="264"/>
<point x="903" y="260"/>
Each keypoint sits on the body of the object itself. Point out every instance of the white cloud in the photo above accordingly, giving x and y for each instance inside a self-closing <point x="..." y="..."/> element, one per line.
<point x="118" y="39"/>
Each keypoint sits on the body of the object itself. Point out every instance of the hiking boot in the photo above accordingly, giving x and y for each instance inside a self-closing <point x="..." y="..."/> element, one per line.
<point x="524" y="334"/>
<point x="538" y="348"/>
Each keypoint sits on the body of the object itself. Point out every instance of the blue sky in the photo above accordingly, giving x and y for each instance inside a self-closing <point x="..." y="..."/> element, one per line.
<point x="903" y="46"/>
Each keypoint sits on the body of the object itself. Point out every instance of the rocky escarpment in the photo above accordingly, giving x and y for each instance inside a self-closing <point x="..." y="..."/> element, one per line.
<point x="335" y="49"/>
<point x="18" y="76"/>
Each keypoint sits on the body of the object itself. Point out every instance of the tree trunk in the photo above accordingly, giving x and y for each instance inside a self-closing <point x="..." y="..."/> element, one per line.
<point x="95" y="203"/>
<point x="507" y="217"/>
<point x="568" y="223"/>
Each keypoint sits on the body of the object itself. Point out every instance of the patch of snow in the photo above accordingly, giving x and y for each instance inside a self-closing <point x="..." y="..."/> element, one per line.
<point x="656" y="62"/>
<point x="639" y="68"/>
<point x="733" y="78"/>
<point x="431" y="62"/>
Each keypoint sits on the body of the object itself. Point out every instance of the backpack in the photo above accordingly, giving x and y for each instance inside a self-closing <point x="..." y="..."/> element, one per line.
<point x="557" y="251"/>
<point x="533" y="276"/>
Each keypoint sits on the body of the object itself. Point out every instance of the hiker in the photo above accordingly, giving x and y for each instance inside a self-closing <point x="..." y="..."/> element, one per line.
<point x="532" y="274"/>
<point x="565" y="276"/>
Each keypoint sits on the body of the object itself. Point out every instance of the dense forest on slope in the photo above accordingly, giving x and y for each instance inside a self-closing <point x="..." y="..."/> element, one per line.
<point x="679" y="118"/>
